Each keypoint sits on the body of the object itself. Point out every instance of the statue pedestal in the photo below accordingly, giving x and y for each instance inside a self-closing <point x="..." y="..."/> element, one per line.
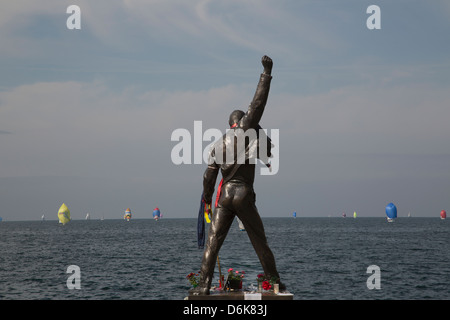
<point x="241" y="295"/>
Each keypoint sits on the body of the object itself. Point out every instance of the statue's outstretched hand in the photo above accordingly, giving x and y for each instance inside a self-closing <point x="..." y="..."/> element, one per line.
<point x="267" y="64"/>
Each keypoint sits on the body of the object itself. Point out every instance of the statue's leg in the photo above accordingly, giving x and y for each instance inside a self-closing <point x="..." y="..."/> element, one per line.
<point x="220" y="224"/>
<point x="248" y="213"/>
<point x="255" y="230"/>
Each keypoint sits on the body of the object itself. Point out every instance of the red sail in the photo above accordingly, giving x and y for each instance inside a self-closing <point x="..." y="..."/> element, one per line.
<point x="443" y="214"/>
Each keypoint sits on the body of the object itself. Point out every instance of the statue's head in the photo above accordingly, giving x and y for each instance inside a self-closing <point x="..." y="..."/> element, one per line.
<point x="235" y="116"/>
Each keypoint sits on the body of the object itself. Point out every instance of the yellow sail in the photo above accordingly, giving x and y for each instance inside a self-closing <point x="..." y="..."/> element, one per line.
<point x="64" y="214"/>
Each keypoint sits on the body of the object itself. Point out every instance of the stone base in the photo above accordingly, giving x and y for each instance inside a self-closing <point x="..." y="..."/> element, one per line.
<point x="241" y="295"/>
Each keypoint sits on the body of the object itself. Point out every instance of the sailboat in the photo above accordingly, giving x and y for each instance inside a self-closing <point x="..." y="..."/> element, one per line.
<point x="294" y="214"/>
<point x="443" y="214"/>
<point x="409" y="214"/>
<point x="127" y="215"/>
<point x="43" y="217"/>
<point x="88" y="216"/>
<point x="156" y="214"/>
<point x="354" y="214"/>
<point x="344" y="215"/>
<point x="64" y="214"/>
<point x="391" y="212"/>
<point x="241" y="225"/>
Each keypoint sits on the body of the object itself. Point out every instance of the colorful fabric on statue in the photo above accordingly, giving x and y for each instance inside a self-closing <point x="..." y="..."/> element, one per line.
<point x="201" y="233"/>
<point x="219" y="190"/>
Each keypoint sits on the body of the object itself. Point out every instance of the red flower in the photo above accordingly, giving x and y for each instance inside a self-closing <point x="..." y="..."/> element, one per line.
<point x="266" y="285"/>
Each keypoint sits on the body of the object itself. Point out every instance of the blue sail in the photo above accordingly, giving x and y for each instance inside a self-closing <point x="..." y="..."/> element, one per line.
<point x="156" y="213"/>
<point x="391" y="211"/>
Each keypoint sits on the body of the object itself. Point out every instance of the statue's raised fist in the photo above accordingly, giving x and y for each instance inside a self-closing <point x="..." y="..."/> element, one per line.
<point x="267" y="64"/>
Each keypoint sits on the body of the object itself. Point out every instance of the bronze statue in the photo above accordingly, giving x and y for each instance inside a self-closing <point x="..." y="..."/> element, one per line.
<point x="236" y="197"/>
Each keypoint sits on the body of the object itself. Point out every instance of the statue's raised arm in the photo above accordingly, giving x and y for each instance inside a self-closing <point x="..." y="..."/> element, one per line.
<point x="256" y="108"/>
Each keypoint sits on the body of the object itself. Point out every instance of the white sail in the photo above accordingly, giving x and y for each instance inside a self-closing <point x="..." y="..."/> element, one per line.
<point x="241" y="225"/>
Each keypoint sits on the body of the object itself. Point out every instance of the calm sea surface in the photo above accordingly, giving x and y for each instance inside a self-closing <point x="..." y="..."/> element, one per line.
<point x="318" y="258"/>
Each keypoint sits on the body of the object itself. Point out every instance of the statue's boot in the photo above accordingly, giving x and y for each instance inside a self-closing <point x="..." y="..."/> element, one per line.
<point x="203" y="287"/>
<point x="199" y="291"/>
<point x="282" y="287"/>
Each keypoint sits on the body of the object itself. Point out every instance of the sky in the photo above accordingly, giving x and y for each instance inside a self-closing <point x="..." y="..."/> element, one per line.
<point x="87" y="115"/>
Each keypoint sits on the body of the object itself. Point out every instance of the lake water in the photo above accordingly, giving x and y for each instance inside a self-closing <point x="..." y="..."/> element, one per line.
<point x="317" y="258"/>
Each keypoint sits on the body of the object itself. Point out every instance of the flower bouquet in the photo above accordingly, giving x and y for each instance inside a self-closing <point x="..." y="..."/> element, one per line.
<point x="234" y="279"/>
<point x="193" y="279"/>
<point x="266" y="283"/>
